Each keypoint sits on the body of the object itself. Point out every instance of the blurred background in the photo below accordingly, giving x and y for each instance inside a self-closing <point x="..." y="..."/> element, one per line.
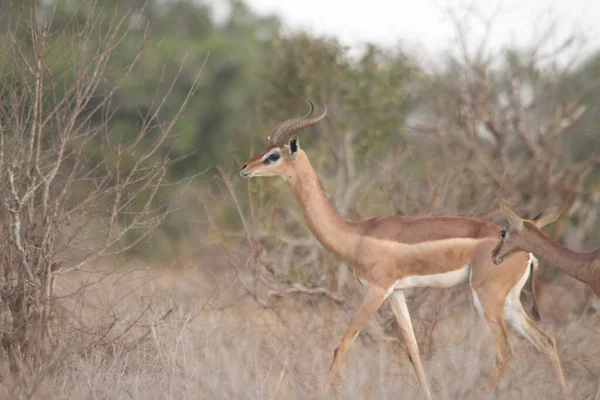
<point x="136" y="263"/>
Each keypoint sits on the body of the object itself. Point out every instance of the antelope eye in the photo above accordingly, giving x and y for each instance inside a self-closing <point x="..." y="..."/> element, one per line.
<point x="272" y="158"/>
<point x="502" y="233"/>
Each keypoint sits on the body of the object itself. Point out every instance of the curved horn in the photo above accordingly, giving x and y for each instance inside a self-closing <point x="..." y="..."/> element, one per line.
<point x="282" y="126"/>
<point x="282" y="131"/>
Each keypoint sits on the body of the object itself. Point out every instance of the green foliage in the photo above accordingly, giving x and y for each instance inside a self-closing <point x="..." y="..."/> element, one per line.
<point x="367" y="95"/>
<point x="232" y="55"/>
<point x="253" y="77"/>
<point x="180" y="38"/>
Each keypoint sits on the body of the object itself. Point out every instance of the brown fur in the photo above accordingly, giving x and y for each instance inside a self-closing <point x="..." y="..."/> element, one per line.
<point x="534" y="307"/>
<point x="526" y="235"/>
<point x="384" y="250"/>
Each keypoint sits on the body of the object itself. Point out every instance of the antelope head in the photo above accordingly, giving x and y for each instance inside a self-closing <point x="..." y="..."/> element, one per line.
<point x="283" y="147"/>
<point x="514" y="234"/>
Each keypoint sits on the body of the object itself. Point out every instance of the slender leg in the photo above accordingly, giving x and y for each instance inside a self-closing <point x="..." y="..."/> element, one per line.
<point x="493" y="313"/>
<point x="502" y="346"/>
<point x="371" y="303"/>
<point x="520" y="321"/>
<point x="493" y="288"/>
<point x="398" y="303"/>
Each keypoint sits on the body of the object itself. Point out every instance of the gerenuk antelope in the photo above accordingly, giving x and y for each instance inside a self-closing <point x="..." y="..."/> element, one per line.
<point x="526" y="235"/>
<point x="393" y="253"/>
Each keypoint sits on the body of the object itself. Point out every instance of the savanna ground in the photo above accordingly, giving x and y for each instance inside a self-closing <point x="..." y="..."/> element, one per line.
<point x="217" y="342"/>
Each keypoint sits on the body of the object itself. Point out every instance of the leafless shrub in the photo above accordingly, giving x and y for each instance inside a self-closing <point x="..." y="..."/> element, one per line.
<point x="501" y="117"/>
<point x="72" y="193"/>
<point x="502" y="122"/>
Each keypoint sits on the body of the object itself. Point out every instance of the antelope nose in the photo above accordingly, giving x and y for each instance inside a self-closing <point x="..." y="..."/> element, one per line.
<point x="242" y="173"/>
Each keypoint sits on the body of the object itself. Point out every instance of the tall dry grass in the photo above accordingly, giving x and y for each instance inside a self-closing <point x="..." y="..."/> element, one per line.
<point x="202" y="335"/>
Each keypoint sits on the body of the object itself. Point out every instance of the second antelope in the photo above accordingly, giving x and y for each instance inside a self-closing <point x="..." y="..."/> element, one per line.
<point x="392" y="253"/>
<point x="525" y="235"/>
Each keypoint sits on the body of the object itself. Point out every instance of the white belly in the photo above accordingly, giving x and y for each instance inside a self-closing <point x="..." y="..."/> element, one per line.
<point x="445" y="280"/>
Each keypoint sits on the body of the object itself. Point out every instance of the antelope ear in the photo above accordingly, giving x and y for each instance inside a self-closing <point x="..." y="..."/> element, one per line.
<point x="514" y="220"/>
<point x="294" y="146"/>
<point x="547" y="216"/>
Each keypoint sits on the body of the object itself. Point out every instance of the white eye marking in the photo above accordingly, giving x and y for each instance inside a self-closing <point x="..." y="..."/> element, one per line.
<point x="267" y="155"/>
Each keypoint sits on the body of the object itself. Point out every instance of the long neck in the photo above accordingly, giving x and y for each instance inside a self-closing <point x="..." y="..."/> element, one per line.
<point x="581" y="266"/>
<point x="334" y="233"/>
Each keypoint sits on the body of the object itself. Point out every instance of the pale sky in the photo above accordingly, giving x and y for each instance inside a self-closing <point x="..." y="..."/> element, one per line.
<point x="423" y="25"/>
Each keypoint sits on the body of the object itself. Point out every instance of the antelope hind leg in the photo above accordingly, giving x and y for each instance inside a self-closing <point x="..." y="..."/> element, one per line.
<point x="521" y="322"/>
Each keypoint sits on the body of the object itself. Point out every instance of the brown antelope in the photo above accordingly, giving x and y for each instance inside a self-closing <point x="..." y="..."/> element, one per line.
<point x="393" y="253"/>
<point x="525" y="235"/>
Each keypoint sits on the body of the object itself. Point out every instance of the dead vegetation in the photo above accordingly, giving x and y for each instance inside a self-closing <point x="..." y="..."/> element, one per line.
<point x="71" y="193"/>
<point x="219" y="342"/>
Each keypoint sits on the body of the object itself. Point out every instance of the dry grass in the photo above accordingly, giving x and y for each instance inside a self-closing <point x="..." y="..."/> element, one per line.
<point x="217" y="342"/>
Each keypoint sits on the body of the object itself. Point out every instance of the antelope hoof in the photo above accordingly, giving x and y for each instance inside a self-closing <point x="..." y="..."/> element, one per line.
<point x="494" y="379"/>
<point x="493" y="384"/>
